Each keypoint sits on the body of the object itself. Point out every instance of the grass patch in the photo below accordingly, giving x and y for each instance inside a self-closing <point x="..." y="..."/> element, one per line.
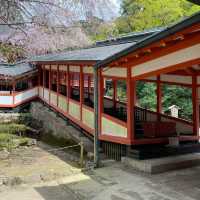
<point x="11" y="135"/>
<point x="13" y="128"/>
<point x="10" y="141"/>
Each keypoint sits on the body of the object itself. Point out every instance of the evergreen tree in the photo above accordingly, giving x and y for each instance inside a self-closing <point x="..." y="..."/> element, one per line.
<point x="137" y="15"/>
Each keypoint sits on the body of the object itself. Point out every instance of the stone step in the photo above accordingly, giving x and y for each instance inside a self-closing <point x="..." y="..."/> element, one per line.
<point x="149" y="152"/>
<point x="160" y="165"/>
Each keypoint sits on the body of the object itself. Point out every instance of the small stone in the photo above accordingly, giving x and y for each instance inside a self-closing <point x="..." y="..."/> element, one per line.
<point x="4" y="154"/>
<point x="90" y="155"/>
<point x="32" y="142"/>
<point x="1" y="182"/>
<point x="12" y="181"/>
<point x="89" y="165"/>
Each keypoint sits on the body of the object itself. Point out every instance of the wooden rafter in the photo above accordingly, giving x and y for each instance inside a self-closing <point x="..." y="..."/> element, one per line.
<point x="159" y="46"/>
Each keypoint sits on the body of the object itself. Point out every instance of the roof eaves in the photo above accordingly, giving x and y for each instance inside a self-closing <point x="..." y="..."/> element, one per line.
<point x="66" y="61"/>
<point x="153" y="38"/>
<point x="25" y="74"/>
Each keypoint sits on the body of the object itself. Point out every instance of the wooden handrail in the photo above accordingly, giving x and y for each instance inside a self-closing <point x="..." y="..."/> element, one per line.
<point x="166" y="116"/>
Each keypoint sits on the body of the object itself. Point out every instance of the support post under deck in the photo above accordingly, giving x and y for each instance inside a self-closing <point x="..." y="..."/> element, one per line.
<point x="130" y="106"/>
<point x="159" y="98"/>
<point x="195" y="105"/>
<point x="96" y="118"/>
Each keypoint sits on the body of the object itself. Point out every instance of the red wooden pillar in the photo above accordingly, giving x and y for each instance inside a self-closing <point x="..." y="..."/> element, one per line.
<point x="43" y="73"/>
<point x="13" y="86"/>
<point x="58" y="83"/>
<point x="114" y="93"/>
<point x="131" y="84"/>
<point x="39" y="75"/>
<point x="39" y="80"/>
<point x="195" y="105"/>
<point x="13" y="91"/>
<point x="159" y="99"/>
<point x="81" y="90"/>
<point x="100" y="99"/>
<point x="68" y="87"/>
<point x="49" y="84"/>
<point x="89" y="85"/>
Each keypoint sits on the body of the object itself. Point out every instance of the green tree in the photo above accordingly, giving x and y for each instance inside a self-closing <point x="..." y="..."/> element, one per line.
<point x="146" y="95"/>
<point x="138" y="15"/>
<point x="180" y="96"/>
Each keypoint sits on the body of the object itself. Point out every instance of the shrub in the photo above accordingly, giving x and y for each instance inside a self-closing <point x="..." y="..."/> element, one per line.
<point x="13" y="128"/>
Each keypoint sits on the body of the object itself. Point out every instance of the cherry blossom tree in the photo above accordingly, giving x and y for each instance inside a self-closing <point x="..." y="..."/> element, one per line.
<point x="42" y="26"/>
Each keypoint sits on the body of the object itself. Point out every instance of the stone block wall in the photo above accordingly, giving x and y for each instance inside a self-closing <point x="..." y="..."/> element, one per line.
<point x="58" y="126"/>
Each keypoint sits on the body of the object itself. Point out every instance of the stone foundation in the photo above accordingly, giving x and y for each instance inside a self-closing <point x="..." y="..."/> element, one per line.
<point x="58" y="126"/>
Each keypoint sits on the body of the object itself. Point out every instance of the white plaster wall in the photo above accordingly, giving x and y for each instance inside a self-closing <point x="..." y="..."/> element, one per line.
<point x="46" y="94"/>
<point x="171" y="59"/>
<point x="63" y="68"/>
<point x="115" y="71"/>
<point x="53" y="98"/>
<point x="112" y="128"/>
<point x="177" y="79"/>
<point x="40" y="92"/>
<point x="88" y="70"/>
<point x="26" y="95"/>
<point x="47" y="66"/>
<point x="4" y="92"/>
<point x="6" y="100"/>
<point x="74" y="68"/>
<point x="54" y="67"/>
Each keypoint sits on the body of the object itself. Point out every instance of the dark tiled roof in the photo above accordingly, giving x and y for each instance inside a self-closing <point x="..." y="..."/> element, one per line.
<point x="17" y="69"/>
<point x="101" y="51"/>
<point x="130" y="37"/>
<point x="194" y="19"/>
<point x="89" y="54"/>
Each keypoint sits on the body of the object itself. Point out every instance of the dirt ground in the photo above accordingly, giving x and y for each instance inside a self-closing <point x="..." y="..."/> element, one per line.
<point x="38" y="163"/>
<point x="45" y="176"/>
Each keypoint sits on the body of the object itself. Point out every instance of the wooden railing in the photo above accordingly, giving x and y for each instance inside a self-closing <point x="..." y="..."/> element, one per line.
<point x="140" y="114"/>
<point x="146" y="119"/>
<point x="143" y="112"/>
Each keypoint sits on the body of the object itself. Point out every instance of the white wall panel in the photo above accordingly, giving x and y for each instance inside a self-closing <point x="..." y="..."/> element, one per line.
<point x="46" y="94"/>
<point x="26" y="95"/>
<point x="63" y="68"/>
<point x="54" y="67"/>
<point x="177" y="79"/>
<point x="88" y="70"/>
<point x="74" y="68"/>
<point x="171" y="59"/>
<point x="115" y="71"/>
<point x="6" y="100"/>
<point x="41" y="92"/>
<point x="47" y="66"/>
